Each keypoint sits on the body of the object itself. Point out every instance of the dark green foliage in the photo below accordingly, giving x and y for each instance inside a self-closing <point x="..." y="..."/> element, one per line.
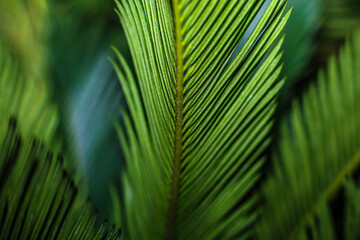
<point x="37" y="199"/>
<point x="86" y="89"/>
<point x="322" y="225"/>
<point x="318" y="148"/>
<point x="197" y="126"/>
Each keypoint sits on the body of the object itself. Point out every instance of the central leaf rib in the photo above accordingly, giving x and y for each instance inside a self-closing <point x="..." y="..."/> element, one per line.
<point x="174" y="191"/>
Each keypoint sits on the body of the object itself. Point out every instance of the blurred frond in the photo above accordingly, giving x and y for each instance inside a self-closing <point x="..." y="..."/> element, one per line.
<point x="27" y="99"/>
<point x="322" y="227"/>
<point x="318" y="148"/>
<point x="62" y="47"/>
<point x="24" y="28"/>
<point x="341" y="17"/>
<point x="352" y="211"/>
<point x="37" y="198"/>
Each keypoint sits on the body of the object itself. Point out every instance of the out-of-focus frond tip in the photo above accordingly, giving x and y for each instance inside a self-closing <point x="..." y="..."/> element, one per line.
<point x="319" y="147"/>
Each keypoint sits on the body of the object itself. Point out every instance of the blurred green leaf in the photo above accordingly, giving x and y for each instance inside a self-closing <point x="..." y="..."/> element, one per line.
<point x="322" y="226"/>
<point x="37" y="198"/>
<point x="318" y="147"/>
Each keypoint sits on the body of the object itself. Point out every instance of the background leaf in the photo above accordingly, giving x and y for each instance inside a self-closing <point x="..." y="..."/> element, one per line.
<point x="317" y="149"/>
<point x="37" y="198"/>
<point x="63" y="47"/>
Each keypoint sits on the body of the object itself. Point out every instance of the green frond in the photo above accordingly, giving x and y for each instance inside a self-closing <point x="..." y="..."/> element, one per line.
<point x="322" y="226"/>
<point x="341" y="18"/>
<point x="318" y="148"/>
<point x="352" y="211"/>
<point x="26" y="99"/>
<point x="24" y="30"/>
<point x="37" y="198"/>
<point x="197" y="124"/>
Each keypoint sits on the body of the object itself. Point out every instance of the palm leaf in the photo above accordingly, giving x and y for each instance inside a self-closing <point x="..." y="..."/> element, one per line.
<point x="27" y="99"/>
<point x="318" y="147"/>
<point x="197" y="123"/>
<point x="63" y="46"/>
<point x="24" y="24"/>
<point x="341" y="18"/>
<point x="37" y="198"/>
<point x="323" y="227"/>
<point x="352" y="211"/>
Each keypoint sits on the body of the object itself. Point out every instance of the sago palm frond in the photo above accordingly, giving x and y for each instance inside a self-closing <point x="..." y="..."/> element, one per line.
<point x="341" y="18"/>
<point x="63" y="46"/>
<point x="352" y="211"/>
<point x="319" y="146"/>
<point x="26" y="99"/>
<point x="24" y="24"/>
<point x="197" y="124"/>
<point x="323" y="227"/>
<point x="37" y="198"/>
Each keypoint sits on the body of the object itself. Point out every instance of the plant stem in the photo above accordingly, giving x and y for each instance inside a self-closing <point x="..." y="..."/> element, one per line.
<point x="170" y="232"/>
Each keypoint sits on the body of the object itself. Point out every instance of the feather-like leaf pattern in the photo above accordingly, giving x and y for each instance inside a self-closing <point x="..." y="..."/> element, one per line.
<point x="37" y="198"/>
<point x="319" y="146"/>
<point x="197" y="124"/>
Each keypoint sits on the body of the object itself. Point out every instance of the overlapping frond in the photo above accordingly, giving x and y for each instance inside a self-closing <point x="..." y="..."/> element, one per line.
<point x="341" y="18"/>
<point x="322" y="226"/>
<point x="37" y="198"/>
<point x="197" y="123"/>
<point x="352" y="211"/>
<point x="319" y="147"/>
